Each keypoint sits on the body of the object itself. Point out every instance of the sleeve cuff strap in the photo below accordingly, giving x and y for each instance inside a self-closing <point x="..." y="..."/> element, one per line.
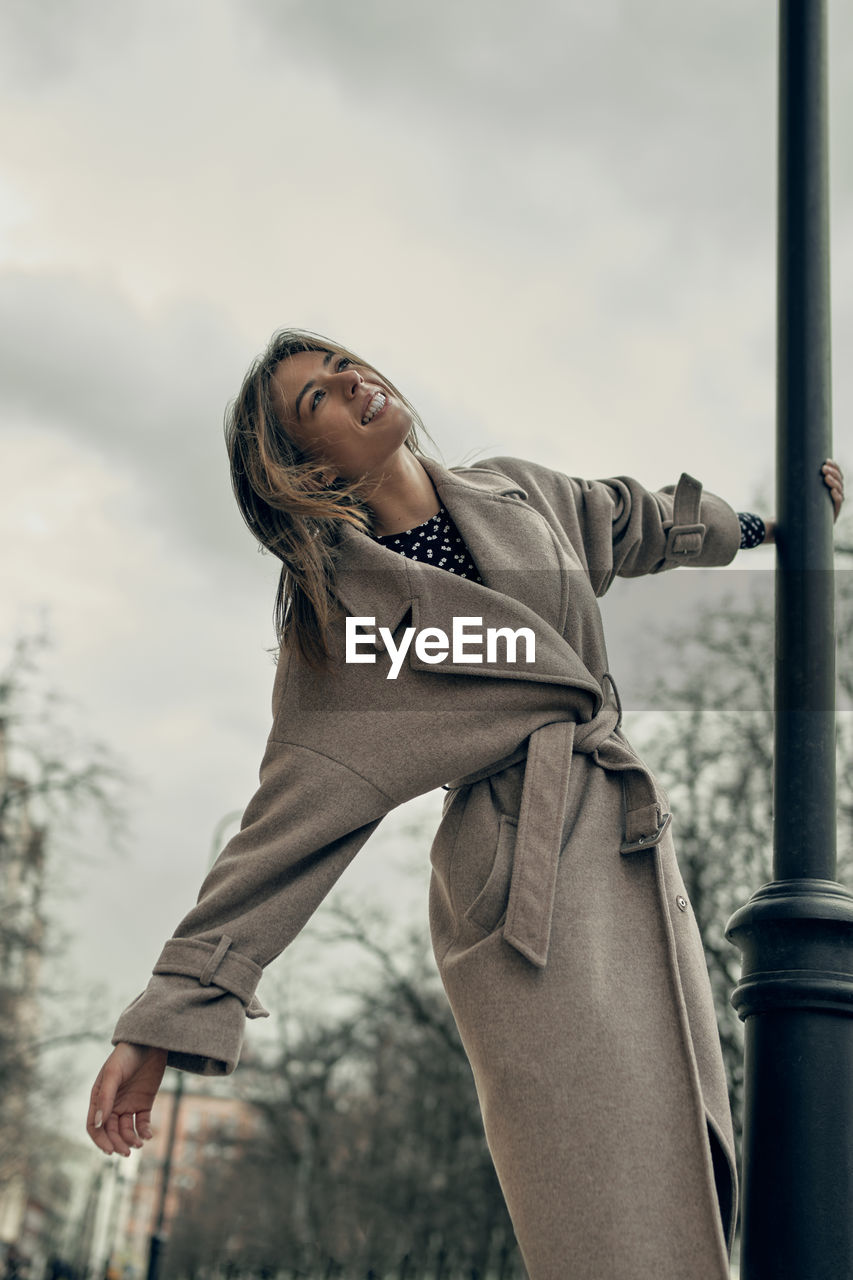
<point x="214" y="965"/>
<point x="686" y="535"/>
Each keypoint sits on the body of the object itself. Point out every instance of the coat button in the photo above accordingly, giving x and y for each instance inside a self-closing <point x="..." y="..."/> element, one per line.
<point x="681" y="903"/>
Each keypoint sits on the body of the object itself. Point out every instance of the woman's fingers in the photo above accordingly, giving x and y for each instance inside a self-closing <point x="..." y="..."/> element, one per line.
<point x="101" y="1103"/>
<point x="119" y="1116"/>
<point x="143" y="1124"/>
<point x="833" y="474"/>
<point x="112" y="1127"/>
<point x="95" y="1117"/>
<point x="834" y="480"/>
<point x="127" y="1130"/>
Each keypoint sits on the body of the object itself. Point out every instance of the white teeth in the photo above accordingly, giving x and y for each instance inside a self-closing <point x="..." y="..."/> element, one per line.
<point x="377" y="400"/>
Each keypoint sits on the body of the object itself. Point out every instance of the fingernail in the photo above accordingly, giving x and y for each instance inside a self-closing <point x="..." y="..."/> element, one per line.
<point x="99" y="1119"/>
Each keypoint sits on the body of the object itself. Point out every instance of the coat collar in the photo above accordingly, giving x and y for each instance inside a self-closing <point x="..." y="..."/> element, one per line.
<point x="374" y="580"/>
<point x="525" y="576"/>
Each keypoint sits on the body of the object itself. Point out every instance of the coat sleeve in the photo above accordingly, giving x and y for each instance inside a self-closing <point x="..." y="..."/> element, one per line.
<point x="305" y="823"/>
<point x="618" y="528"/>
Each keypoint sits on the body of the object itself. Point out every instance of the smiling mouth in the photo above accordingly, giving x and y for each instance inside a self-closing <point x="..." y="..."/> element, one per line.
<point x="375" y="405"/>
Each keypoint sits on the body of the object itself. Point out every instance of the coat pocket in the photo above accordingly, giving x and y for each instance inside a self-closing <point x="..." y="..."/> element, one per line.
<point x="489" y="907"/>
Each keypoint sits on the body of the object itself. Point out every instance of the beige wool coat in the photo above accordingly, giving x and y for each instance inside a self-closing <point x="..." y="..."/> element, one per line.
<point x="560" y="922"/>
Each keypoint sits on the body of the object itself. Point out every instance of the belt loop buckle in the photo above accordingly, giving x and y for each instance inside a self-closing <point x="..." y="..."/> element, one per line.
<point x="685" y="540"/>
<point x="646" y="842"/>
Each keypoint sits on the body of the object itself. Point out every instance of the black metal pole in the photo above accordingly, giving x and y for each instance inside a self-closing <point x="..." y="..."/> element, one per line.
<point x="158" y="1235"/>
<point x="796" y="934"/>
<point x="804" y="785"/>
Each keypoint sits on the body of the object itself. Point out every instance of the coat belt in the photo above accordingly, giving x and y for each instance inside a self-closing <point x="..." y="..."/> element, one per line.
<point x="539" y="837"/>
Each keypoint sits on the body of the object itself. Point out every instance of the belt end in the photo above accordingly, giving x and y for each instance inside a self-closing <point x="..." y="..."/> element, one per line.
<point x="537" y="955"/>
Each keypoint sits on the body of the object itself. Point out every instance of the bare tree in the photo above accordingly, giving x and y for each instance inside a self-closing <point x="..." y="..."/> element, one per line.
<point x="372" y="1158"/>
<point x="712" y="748"/>
<point x="48" y="776"/>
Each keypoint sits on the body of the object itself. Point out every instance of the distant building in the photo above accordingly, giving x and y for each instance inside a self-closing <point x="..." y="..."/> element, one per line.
<point x="210" y="1123"/>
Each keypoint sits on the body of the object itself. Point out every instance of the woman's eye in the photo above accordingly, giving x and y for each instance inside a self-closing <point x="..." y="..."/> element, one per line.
<point x="341" y="364"/>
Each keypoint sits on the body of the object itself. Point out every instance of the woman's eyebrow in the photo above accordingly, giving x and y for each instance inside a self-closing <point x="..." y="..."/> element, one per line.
<point x="308" y="385"/>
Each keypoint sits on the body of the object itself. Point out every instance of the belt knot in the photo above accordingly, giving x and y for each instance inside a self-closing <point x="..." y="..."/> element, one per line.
<point x="541" y="816"/>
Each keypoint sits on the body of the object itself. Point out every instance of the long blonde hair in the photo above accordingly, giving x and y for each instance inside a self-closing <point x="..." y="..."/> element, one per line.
<point x="289" y="506"/>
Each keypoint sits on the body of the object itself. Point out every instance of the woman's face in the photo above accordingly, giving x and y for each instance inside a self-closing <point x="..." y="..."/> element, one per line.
<point x="339" y="413"/>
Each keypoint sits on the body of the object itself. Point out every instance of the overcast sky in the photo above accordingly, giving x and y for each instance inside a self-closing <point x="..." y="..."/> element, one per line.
<point x="552" y="224"/>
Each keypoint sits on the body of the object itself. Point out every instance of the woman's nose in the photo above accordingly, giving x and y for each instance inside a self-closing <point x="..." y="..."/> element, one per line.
<point x="352" y="380"/>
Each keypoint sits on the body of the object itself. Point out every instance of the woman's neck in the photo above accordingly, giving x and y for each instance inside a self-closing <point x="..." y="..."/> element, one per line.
<point x="405" y="496"/>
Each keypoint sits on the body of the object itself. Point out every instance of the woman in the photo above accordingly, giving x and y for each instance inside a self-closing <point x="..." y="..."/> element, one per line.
<point x="560" y="923"/>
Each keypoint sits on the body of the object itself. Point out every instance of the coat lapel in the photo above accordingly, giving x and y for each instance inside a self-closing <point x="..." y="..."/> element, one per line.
<point x="513" y="547"/>
<point x="525" y="580"/>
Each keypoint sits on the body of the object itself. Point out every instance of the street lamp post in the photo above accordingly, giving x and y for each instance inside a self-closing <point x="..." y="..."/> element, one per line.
<point x="158" y="1235"/>
<point x="796" y="933"/>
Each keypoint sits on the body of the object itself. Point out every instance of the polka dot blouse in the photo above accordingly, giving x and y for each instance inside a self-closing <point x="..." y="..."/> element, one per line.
<point x="752" y="530"/>
<point x="437" y="541"/>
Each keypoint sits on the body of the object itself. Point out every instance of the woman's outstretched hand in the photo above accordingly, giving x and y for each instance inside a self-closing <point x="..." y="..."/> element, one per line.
<point x="122" y="1097"/>
<point x="834" y="481"/>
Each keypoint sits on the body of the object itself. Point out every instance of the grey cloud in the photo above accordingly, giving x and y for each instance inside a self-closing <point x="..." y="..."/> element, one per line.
<point x="674" y="102"/>
<point x="48" y="42"/>
<point x="149" y="394"/>
<point x="531" y="121"/>
<point x="663" y="96"/>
